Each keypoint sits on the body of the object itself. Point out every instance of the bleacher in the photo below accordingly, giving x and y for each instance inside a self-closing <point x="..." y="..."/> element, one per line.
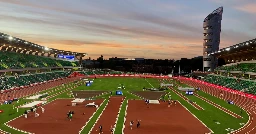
<point x="101" y="72"/>
<point x="247" y="86"/>
<point x="12" y="60"/>
<point x="9" y="82"/>
<point x="244" y="66"/>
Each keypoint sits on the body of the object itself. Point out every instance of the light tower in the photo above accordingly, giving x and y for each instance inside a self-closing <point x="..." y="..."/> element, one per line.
<point x="212" y="29"/>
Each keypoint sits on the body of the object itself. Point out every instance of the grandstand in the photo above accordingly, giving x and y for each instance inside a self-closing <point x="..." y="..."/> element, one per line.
<point x="239" y="71"/>
<point x="26" y="64"/>
<point x="28" y="69"/>
<point x="25" y="54"/>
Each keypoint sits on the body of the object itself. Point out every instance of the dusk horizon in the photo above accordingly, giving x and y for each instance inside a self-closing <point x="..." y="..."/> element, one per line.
<point x="126" y="29"/>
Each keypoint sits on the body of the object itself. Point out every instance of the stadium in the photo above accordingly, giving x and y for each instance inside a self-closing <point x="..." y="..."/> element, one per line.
<point x="48" y="91"/>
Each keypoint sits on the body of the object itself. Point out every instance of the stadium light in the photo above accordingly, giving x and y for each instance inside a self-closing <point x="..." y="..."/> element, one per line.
<point x="10" y="38"/>
<point x="46" y="49"/>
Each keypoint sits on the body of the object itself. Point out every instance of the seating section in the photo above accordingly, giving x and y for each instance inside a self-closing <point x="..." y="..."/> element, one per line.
<point x="100" y="72"/>
<point x="247" y="86"/>
<point x="23" y="80"/>
<point x="11" y="60"/>
<point x="244" y="67"/>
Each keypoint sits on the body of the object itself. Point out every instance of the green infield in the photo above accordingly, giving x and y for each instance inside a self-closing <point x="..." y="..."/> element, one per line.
<point x="214" y="118"/>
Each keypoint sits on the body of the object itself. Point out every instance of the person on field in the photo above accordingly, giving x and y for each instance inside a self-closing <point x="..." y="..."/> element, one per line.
<point x="138" y="124"/>
<point x="42" y="109"/>
<point x="69" y="112"/>
<point x="111" y="129"/>
<point x="37" y="114"/>
<point x="100" y="128"/>
<point x="71" y="115"/>
<point x="175" y="102"/>
<point x="26" y="114"/>
<point x="131" y="124"/>
<point x="169" y="103"/>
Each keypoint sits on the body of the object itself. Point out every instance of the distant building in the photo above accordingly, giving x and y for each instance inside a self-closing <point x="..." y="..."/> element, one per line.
<point x="212" y="29"/>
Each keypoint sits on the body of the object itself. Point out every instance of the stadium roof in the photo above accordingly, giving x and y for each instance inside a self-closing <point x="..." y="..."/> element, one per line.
<point x="9" y="43"/>
<point x="218" y="11"/>
<point x="240" y="48"/>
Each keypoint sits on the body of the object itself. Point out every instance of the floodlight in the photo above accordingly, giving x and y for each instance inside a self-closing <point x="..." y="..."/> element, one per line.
<point x="10" y="38"/>
<point x="46" y="49"/>
<point x="227" y="49"/>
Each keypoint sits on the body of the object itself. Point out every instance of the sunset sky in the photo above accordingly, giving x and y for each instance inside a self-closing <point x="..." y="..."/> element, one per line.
<point x="159" y="29"/>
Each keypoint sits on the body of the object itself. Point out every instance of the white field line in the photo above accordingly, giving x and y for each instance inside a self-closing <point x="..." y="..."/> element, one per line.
<point x="186" y="100"/>
<point x="149" y="83"/>
<point x="91" y="117"/>
<point x="249" y="121"/>
<point x="120" y="108"/>
<point x="6" y="123"/>
<point x="217" y="106"/>
<point x="125" y="117"/>
<point x="195" y="117"/>
<point x="99" y="117"/>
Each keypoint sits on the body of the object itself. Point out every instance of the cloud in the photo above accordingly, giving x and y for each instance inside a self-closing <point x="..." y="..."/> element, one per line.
<point x="231" y="37"/>
<point x="248" y="8"/>
<point x="148" y="29"/>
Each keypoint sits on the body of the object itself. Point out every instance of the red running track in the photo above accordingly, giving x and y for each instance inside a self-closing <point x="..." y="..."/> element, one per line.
<point x="109" y="115"/>
<point x="54" y="120"/>
<point x="161" y="119"/>
<point x="32" y="90"/>
<point x="244" y="102"/>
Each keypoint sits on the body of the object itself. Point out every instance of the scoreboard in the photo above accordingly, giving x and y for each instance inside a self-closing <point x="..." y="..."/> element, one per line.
<point x="66" y="57"/>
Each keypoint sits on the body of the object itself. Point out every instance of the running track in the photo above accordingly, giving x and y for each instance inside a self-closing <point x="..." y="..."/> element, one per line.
<point x="246" y="103"/>
<point x="161" y="119"/>
<point x="32" y="90"/>
<point x="109" y="115"/>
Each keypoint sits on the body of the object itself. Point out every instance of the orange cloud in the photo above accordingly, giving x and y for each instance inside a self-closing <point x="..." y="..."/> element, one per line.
<point x="249" y="8"/>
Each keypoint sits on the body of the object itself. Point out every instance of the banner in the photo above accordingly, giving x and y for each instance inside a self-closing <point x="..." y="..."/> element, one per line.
<point x="128" y="75"/>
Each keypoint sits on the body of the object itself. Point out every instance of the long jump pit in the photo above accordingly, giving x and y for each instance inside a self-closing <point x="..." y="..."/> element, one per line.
<point x="161" y="119"/>
<point x="54" y="119"/>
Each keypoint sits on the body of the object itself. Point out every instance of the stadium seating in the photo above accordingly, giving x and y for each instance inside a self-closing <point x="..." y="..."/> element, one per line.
<point x="247" y="86"/>
<point x="100" y="72"/>
<point x="23" y="80"/>
<point x="242" y="66"/>
<point x="11" y="60"/>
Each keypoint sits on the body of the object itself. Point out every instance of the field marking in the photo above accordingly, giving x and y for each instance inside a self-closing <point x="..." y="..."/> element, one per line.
<point x="6" y="123"/>
<point x="217" y="106"/>
<point x="125" y="115"/>
<point x="99" y="117"/>
<point x="249" y="121"/>
<point x="195" y="117"/>
<point x="179" y="94"/>
<point x="91" y="117"/>
<point x="118" y="114"/>
<point x="149" y="83"/>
